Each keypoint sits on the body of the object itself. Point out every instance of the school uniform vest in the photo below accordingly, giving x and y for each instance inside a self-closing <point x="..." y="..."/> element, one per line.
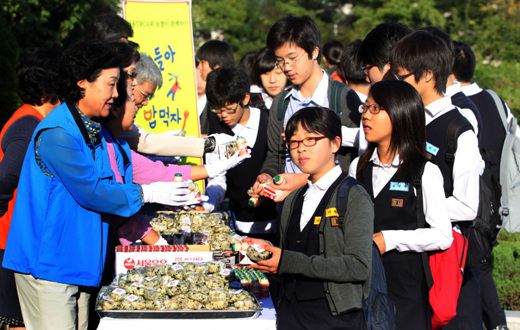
<point x="240" y="178"/>
<point x="394" y="208"/>
<point x="462" y="101"/>
<point x="436" y="147"/>
<point x="492" y="132"/>
<point x="307" y="242"/>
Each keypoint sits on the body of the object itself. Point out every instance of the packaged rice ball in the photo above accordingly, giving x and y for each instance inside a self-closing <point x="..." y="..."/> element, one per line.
<point x="256" y="253"/>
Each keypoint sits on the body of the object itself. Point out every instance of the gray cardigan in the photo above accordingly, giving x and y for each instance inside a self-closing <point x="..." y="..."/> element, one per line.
<point x="274" y="162"/>
<point x="345" y="260"/>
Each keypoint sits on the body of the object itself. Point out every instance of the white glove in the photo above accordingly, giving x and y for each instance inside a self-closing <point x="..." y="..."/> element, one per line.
<point x="169" y="193"/>
<point x="219" y="166"/>
<point x="161" y="241"/>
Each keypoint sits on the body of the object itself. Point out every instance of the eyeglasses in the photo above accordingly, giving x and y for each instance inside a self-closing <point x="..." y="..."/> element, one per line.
<point x="281" y="64"/>
<point x="146" y="97"/>
<point x="308" y="142"/>
<point x="130" y="75"/>
<point x="229" y="112"/>
<point x="403" y="77"/>
<point x="367" y="68"/>
<point x="373" y="108"/>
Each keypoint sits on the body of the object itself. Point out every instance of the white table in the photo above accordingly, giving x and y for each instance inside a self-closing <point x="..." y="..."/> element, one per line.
<point x="266" y="321"/>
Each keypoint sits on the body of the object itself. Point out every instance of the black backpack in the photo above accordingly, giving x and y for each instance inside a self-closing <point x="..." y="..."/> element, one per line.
<point x="378" y="307"/>
<point x="481" y="232"/>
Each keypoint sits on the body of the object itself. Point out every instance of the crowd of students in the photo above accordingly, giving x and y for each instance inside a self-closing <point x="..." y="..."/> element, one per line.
<point x="72" y="158"/>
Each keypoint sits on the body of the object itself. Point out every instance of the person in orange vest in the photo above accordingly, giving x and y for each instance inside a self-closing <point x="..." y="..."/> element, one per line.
<point x="36" y="75"/>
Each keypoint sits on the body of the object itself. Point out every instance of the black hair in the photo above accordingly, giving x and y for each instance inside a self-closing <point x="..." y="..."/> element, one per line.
<point x="441" y="34"/>
<point x="465" y="62"/>
<point x="226" y="85"/>
<point x="37" y="73"/>
<point x="314" y="120"/>
<point x="350" y="65"/>
<point x="110" y="27"/>
<point x="83" y="60"/>
<point x="246" y="62"/>
<point x="332" y="51"/>
<point x="404" y="106"/>
<point x="378" y="43"/>
<point x="302" y="31"/>
<point x="127" y="53"/>
<point x="264" y="62"/>
<point x="216" y="52"/>
<point x="421" y="51"/>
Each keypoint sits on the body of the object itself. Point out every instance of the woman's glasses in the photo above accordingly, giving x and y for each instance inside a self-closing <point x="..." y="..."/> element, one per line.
<point x="373" y="108"/>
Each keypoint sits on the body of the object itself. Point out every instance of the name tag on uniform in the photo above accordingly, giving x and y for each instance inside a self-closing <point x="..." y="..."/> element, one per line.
<point x="397" y="202"/>
<point x="431" y="149"/>
<point x="399" y="186"/>
<point x="332" y="212"/>
<point x="317" y="220"/>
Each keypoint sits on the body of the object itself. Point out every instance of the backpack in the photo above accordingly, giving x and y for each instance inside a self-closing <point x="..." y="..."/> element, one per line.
<point x="378" y="307"/>
<point x="509" y="170"/>
<point x="479" y="232"/>
<point x="444" y="269"/>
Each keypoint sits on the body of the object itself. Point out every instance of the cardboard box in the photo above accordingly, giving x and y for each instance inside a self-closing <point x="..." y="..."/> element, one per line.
<point x="128" y="257"/>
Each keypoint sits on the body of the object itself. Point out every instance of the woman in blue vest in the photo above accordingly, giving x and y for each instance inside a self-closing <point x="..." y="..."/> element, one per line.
<point x="324" y="258"/>
<point x="58" y="237"/>
<point x="393" y="122"/>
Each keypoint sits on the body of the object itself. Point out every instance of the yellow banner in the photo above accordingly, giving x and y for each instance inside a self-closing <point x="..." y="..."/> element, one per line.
<point x="163" y="30"/>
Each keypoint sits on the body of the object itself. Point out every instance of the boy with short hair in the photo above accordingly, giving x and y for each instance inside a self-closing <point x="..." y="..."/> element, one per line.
<point x="227" y="90"/>
<point x="296" y="43"/>
<point x="425" y="61"/>
<point x="376" y="48"/>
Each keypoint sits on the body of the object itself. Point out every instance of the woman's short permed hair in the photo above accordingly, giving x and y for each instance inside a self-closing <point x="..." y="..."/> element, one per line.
<point x="83" y="60"/>
<point x="37" y="73"/>
<point x="315" y="120"/>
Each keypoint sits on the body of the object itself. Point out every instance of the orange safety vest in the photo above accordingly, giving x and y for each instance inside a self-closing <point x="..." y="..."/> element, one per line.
<point x="5" y="220"/>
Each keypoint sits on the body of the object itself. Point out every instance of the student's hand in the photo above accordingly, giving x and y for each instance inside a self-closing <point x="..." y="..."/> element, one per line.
<point x="257" y="241"/>
<point x="291" y="181"/>
<point x="261" y="178"/>
<point x="270" y="265"/>
<point x="379" y="239"/>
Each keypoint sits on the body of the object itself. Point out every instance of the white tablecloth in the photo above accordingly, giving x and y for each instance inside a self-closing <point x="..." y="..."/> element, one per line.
<point x="265" y="321"/>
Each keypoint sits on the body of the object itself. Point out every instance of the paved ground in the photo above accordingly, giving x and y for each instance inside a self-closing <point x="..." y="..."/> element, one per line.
<point x="513" y="320"/>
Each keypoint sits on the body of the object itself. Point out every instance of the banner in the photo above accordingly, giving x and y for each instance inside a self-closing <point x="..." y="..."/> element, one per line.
<point x="163" y="30"/>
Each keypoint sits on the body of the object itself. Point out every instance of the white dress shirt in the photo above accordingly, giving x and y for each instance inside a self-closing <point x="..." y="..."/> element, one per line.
<point x="439" y="235"/>
<point x="355" y="137"/>
<point x="315" y="193"/>
<point x="467" y="167"/>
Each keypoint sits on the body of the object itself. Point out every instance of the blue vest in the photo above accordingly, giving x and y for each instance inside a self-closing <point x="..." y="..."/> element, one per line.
<point x="52" y="236"/>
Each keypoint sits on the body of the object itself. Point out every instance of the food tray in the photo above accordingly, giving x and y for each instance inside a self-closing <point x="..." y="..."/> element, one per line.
<point x="183" y="314"/>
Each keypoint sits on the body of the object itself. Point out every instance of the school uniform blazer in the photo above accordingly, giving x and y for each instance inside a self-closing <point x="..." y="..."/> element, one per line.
<point x="345" y="260"/>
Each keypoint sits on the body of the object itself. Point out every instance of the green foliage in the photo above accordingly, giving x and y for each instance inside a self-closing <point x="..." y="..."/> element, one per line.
<point x="505" y="262"/>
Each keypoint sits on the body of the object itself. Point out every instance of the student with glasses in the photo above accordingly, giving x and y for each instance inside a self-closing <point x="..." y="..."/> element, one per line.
<point x="431" y="61"/>
<point x="376" y="47"/>
<point x="227" y="90"/>
<point x="324" y="267"/>
<point x="393" y="121"/>
<point x="296" y="43"/>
